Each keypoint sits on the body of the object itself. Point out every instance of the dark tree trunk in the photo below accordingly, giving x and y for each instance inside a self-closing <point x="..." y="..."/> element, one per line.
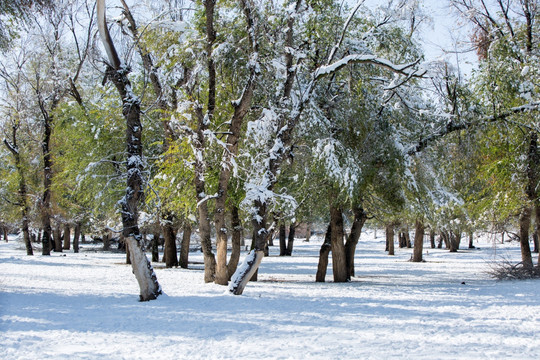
<point x="290" y="240"/>
<point x="67" y="237"/>
<point x="418" y="241"/>
<point x="323" y="256"/>
<point x="169" y="234"/>
<point x="524" y="224"/>
<point x="432" y="238"/>
<point x="57" y="235"/>
<point x="5" y="233"/>
<point x="537" y="227"/>
<point x="390" y="238"/>
<point x="441" y="239"/>
<point x="308" y="232"/>
<point x="117" y="73"/>
<point x="235" y="240"/>
<point x="402" y="240"/>
<point x="408" y="238"/>
<point x="106" y="241"/>
<point x="360" y="218"/>
<point x="155" y="246"/>
<point x="339" y="261"/>
<point x="76" y="236"/>
<point x="454" y="240"/>
<point x="184" y="248"/>
<point x="471" y="241"/>
<point x="282" y="239"/>
<point x="128" y="255"/>
<point x="535" y="242"/>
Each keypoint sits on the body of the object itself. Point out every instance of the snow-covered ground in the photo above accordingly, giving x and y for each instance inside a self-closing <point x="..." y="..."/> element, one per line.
<point x="84" y="306"/>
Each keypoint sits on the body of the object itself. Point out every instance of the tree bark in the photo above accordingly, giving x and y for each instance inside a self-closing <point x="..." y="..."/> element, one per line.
<point x="308" y="232"/>
<point x="67" y="237"/>
<point x="23" y="193"/>
<point x="5" y="233"/>
<point x="323" y="256"/>
<point x="57" y="235"/>
<point x="155" y="245"/>
<point x="418" y="241"/>
<point x="339" y="260"/>
<point x="390" y="238"/>
<point x="169" y="251"/>
<point x="432" y="238"/>
<point x="282" y="239"/>
<point x="144" y="273"/>
<point x="360" y="218"/>
<point x="106" y="240"/>
<point x="471" y="241"/>
<point x="408" y="238"/>
<point x="454" y="239"/>
<point x="524" y="224"/>
<point x="290" y="239"/>
<point x="184" y="249"/>
<point x="235" y="240"/>
<point x="76" y="236"/>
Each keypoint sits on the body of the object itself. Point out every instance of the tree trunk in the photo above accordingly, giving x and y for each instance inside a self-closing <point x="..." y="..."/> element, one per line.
<point x="471" y="241"/>
<point x="432" y="238"/>
<point x="454" y="239"/>
<point x="184" y="248"/>
<point x="323" y="256"/>
<point x="290" y="240"/>
<point x="282" y="239"/>
<point x="524" y="224"/>
<point x="169" y="234"/>
<point x="144" y="273"/>
<point x="390" y="238"/>
<point x="441" y="238"/>
<point x="76" y="236"/>
<point x="339" y="261"/>
<point x="418" y="241"/>
<point x="535" y="242"/>
<point x="57" y="235"/>
<point x="67" y="237"/>
<point x="360" y="218"/>
<point x="155" y="243"/>
<point x="308" y="232"/>
<point x="408" y="238"/>
<point x="235" y="240"/>
<point x="106" y="241"/>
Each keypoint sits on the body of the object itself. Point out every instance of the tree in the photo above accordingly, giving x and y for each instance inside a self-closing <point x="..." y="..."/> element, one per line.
<point x="117" y="73"/>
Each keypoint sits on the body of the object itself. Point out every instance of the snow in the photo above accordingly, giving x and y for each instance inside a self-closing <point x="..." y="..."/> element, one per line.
<point x="84" y="306"/>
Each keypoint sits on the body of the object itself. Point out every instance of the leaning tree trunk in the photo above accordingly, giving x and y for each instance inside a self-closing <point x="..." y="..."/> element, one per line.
<point x="290" y="239"/>
<point x="339" y="260"/>
<point x="184" y="248"/>
<point x="117" y="72"/>
<point x="323" y="256"/>
<point x="524" y="224"/>
<point x="390" y="238"/>
<point x="418" y="241"/>
<point x="67" y="237"/>
<point x="360" y="218"/>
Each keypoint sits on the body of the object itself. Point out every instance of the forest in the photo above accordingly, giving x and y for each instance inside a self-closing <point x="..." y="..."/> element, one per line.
<point x="149" y="125"/>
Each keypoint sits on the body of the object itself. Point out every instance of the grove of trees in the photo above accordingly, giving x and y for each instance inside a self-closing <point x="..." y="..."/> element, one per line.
<point x="222" y="118"/>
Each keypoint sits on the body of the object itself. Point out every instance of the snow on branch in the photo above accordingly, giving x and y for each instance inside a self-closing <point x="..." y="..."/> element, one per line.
<point x="345" y="26"/>
<point x="404" y="69"/>
<point x="452" y="126"/>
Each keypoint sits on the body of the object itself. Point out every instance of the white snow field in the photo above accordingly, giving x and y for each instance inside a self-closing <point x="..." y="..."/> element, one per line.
<point x="85" y="306"/>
